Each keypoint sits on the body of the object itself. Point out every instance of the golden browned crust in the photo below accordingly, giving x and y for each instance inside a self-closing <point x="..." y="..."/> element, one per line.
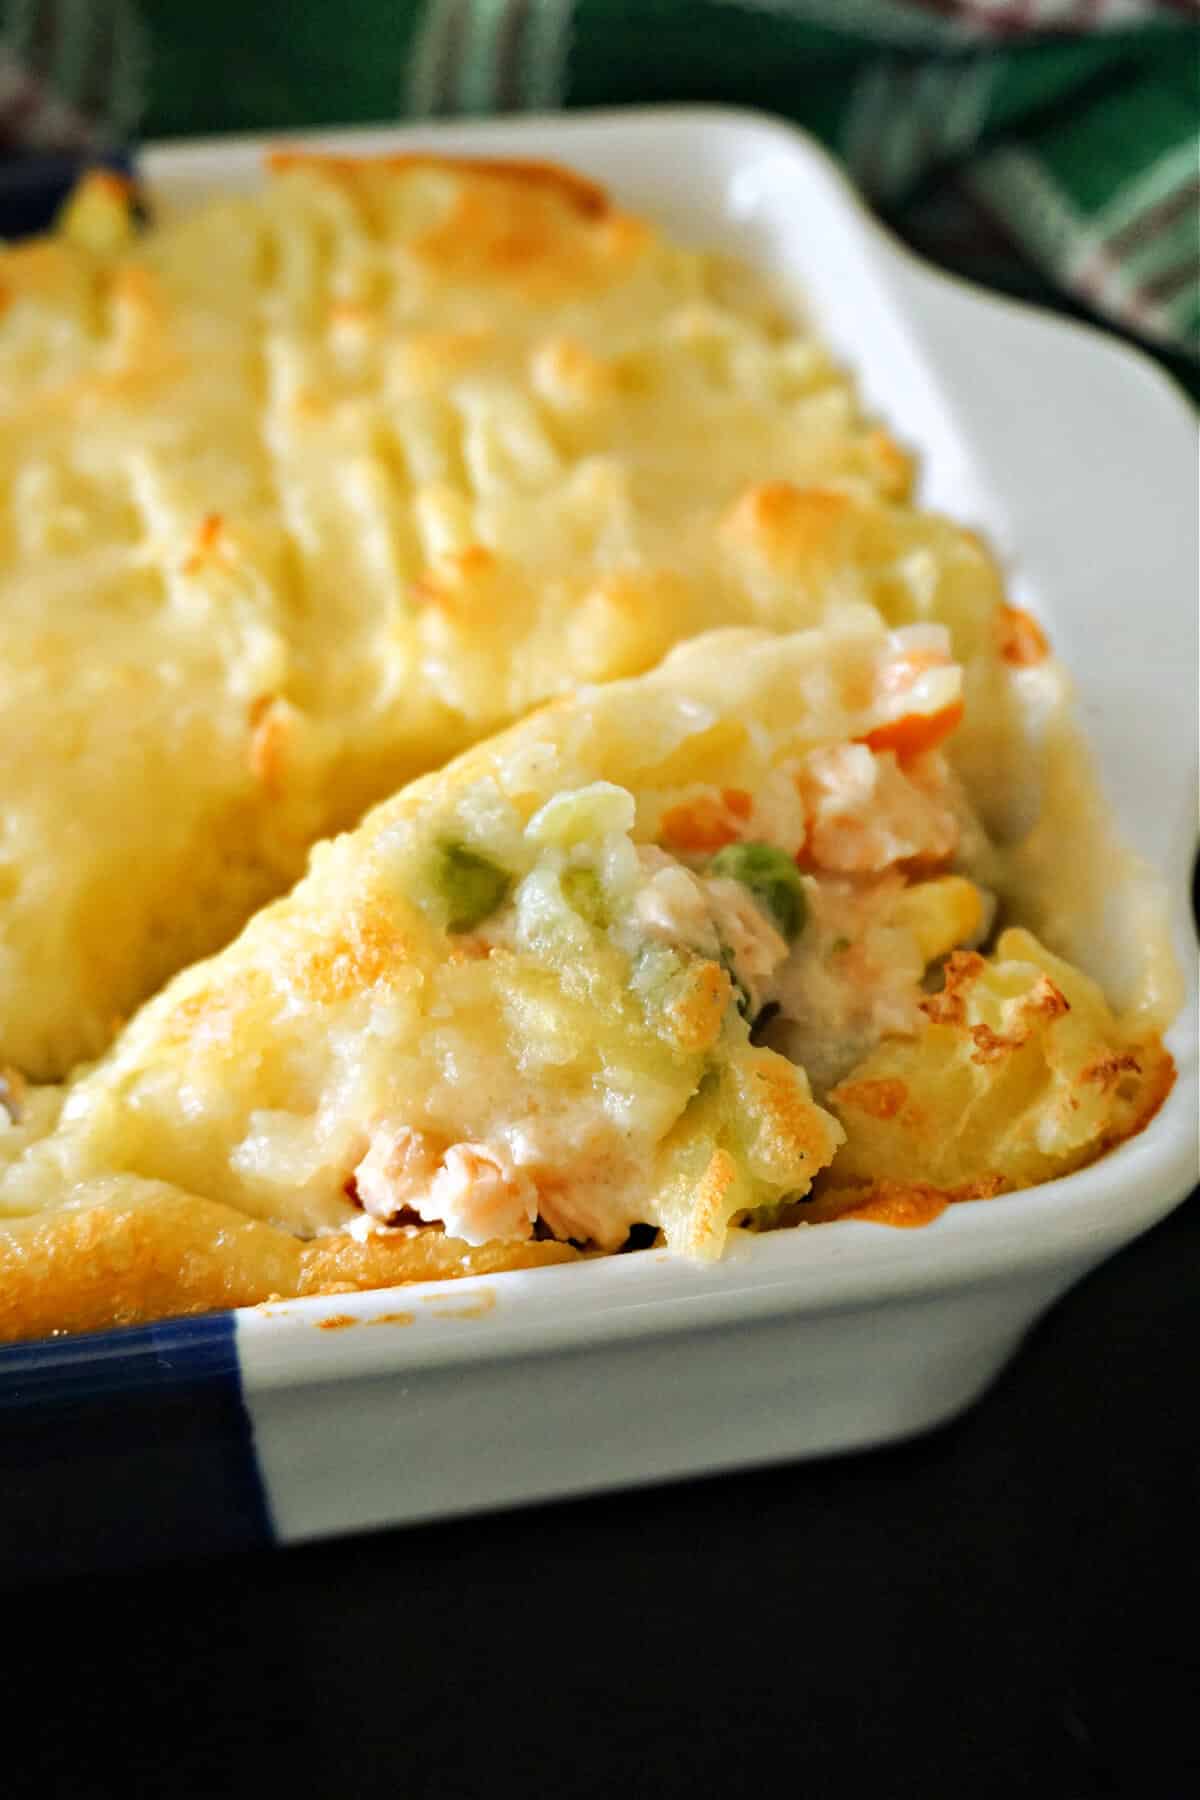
<point x="1019" y="638"/>
<point x="1020" y="1074"/>
<point x="879" y="1099"/>
<point x="342" y="1264"/>
<point x="154" y="1253"/>
<point x="695" y="1014"/>
<point x="151" y="1254"/>
<point x="587" y="197"/>
<point x="905" y="1205"/>
<point x="710" y="1204"/>
<point x="790" y="1130"/>
<point x="963" y="968"/>
<point x="1154" y="1064"/>
<point x="792" y="527"/>
<point x="529" y="225"/>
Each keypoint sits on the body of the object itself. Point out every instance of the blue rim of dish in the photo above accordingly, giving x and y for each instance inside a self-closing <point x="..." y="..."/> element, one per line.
<point x="124" y="1448"/>
<point x="77" y="1368"/>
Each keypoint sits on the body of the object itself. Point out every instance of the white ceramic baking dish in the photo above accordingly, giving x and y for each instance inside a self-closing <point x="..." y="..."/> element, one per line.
<point x="1076" y="457"/>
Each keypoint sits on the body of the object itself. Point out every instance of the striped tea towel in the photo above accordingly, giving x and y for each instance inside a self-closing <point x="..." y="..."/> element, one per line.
<point x="1048" y="147"/>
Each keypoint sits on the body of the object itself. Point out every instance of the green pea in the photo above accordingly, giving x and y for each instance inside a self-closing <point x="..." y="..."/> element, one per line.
<point x="584" y="894"/>
<point x="773" y="879"/>
<point x="468" y="884"/>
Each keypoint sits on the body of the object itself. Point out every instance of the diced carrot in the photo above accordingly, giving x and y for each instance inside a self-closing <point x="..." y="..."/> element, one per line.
<point x="914" y="733"/>
<point x="1019" y="638"/>
<point x="700" y="824"/>
<point x="738" y="802"/>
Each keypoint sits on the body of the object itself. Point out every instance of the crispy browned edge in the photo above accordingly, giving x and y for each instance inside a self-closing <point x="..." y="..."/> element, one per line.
<point x="586" y="196"/>
<point x="164" y="1254"/>
<point x="915" y="1203"/>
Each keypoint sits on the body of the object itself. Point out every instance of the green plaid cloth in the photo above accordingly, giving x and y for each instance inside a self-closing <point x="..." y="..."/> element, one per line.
<point x="1048" y="147"/>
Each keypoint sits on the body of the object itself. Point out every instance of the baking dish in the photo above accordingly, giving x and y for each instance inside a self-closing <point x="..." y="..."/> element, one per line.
<point x="1074" y="456"/>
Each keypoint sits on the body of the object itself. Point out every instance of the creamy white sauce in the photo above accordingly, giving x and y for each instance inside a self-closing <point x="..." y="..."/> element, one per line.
<point x="849" y="980"/>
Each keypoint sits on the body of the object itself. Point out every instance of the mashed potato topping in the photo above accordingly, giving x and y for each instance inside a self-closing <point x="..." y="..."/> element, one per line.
<point x="307" y="490"/>
<point x="311" y="490"/>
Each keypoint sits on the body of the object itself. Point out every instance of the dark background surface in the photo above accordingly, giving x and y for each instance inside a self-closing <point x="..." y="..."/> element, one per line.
<point x="1006" y="1606"/>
